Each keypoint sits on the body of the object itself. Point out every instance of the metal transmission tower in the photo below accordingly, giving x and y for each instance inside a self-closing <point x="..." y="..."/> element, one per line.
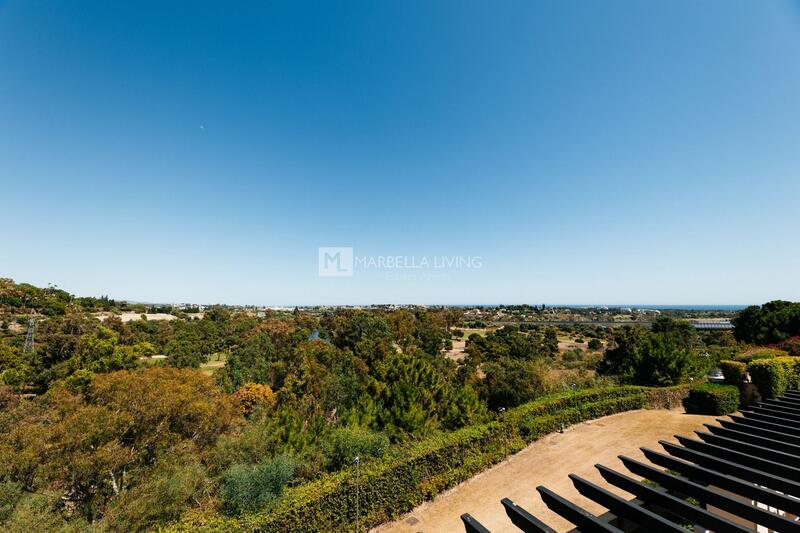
<point x="28" y="348"/>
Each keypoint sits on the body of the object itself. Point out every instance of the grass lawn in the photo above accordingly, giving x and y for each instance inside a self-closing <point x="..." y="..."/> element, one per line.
<point x="215" y="361"/>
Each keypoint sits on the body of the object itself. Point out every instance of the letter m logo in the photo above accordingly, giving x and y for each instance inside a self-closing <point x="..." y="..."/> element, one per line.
<point x="335" y="261"/>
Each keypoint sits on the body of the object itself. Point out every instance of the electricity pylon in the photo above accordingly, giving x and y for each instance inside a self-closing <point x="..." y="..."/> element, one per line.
<point x="28" y="348"/>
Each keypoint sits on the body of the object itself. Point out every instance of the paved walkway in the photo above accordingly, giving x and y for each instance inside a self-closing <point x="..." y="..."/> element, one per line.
<point x="548" y="462"/>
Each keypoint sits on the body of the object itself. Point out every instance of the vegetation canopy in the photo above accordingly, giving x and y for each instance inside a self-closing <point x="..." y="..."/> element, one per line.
<point x="236" y="416"/>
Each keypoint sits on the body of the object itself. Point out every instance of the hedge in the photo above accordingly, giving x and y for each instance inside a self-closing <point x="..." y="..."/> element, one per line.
<point x="665" y="397"/>
<point x="760" y="353"/>
<point x="734" y="371"/>
<point x="712" y="399"/>
<point x="416" y="472"/>
<point x="774" y="376"/>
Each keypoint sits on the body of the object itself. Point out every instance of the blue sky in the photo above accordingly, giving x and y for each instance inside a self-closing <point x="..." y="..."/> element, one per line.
<point x="587" y="152"/>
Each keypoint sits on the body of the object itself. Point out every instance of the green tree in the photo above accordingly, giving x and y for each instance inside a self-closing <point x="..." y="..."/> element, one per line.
<point x="664" y="361"/>
<point x="770" y="323"/>
<point x="255" y="361"/>
<point x="623" y="358"/>
<point x="510" y="382"/>
<point x="412" y="393"/>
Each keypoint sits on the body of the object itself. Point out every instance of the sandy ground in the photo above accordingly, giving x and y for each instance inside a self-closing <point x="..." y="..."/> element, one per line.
<point x="209" y="367"/>
<point x="457" y="353"/>
<point x="566" y="344"/>
<point x="13" y="327"/>
<point x="128" y="316"/>
<point x="548" y="462"/>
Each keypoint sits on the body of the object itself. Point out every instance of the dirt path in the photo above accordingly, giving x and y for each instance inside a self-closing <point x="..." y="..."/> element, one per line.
<point x="457" y="353"/>
<point x="548" y="462"/>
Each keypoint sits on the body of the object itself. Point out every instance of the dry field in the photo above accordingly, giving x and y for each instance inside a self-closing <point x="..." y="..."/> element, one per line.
<point x="130" y="316"/>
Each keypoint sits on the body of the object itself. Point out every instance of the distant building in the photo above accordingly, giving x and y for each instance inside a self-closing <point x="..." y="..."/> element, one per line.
<point x="713" y="324"/>
<point x="650" y="311"/>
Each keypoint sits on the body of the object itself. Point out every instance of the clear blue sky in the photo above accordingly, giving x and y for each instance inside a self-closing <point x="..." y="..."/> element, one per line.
<point x="588" y="152"/>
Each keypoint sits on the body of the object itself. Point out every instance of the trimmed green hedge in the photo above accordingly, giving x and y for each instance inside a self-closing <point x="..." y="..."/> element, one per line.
<point x="417" y="472"/>
<point x="774" y="376"/>
<point x="666" y="397"/>
<point x="734" y="371"/>
<point x="761" y="353"/>
<point x="712" y="399"/>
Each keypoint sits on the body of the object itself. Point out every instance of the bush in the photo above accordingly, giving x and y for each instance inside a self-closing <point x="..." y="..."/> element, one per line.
<point x="595" y="344"/>
<point x="791" y="346"/>
<point x="510" y="382"/>
<point x="159" y="498"/>
<point x="774" y="376"/>
<point x="712" y="399"/>
<point x="533" y="429"/>
<point x="347" y="443"/>
<point x="34" y="512"/>
<point x="247" y="489"/>
<point x="734" y="371"/>
<point x="255" y="396"/>
<point x="761" y="353"/>
<point x="10" y="493"/>
<point x="666" y="397"/>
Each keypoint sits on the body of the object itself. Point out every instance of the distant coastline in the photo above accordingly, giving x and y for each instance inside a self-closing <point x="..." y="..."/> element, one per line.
<point x="660" y="307"/>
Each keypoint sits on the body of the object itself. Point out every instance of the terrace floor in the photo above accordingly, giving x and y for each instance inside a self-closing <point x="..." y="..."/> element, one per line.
<point x="548" y="462"/>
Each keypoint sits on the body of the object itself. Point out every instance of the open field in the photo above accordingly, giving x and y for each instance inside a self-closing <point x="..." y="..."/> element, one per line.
<point x="213" y="363"/>
<point x="129" y="316"/>
<point x="566" y="344"/>
<point x="457" y="353"/>
<point x="480" y="331"/>
<point x="548" y="462"/>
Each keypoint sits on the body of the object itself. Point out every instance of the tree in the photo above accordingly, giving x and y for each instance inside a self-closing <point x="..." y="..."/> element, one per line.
<point x="623" y="359"/>
<point x="161" y="496"/>
<point x="647" y="358"/>
<point x="412" y="394"/>
<point x="510" y="382"/>
<point x="255" y="361"/>
<point x="365" y="334"/>
<point x="771" y="323"/>
<point x="664" y="361"/>
<point x="184" y="354"/>
<point x="682" y="330"/>
<point x="255" y="396"/>
<point x="429" y="337"/>
<point x="95" y="446"/>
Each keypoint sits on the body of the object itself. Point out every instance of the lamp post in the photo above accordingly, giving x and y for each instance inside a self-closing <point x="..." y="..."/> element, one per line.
<point x="357" y="461"/>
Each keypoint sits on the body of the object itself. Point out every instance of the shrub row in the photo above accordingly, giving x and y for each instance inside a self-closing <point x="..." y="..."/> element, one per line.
<point x="417" y="472"/>
<point x="760" y="353"/>
<point x="774" y="376"/>
<point x="665" y="397"/>
<point x="733" y="371"/>
<point x="712" y="399"/>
